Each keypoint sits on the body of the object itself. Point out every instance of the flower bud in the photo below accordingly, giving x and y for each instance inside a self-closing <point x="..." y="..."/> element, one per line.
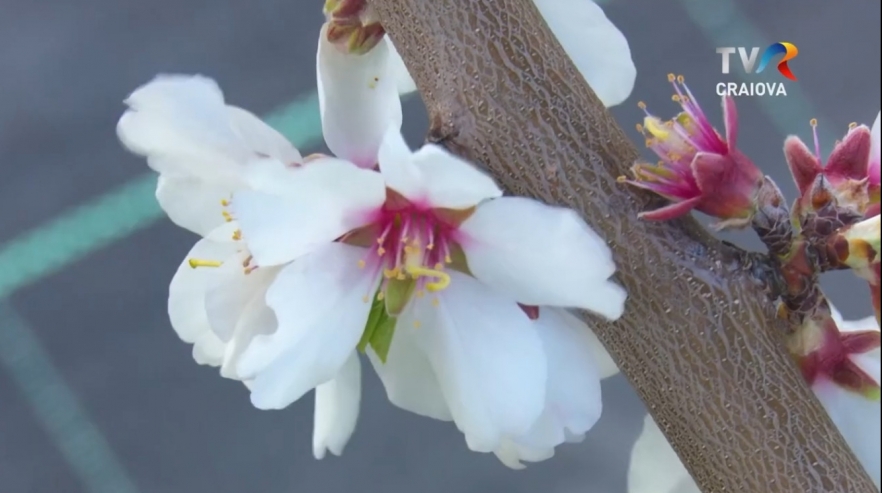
<point x="843" y="182"/>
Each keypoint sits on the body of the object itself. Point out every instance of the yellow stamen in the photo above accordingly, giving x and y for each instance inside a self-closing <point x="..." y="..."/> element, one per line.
<point x="237" y="235"/>
<point x="195" y="262"/>
<point x="416" y="324"/>
<point x="680" y="79"/>
<point x="249" y="270"/>
<point x="443" y="277"/>
<point x="227" y="216"/>
<point x="225" y="202"/>
<point x="361" y="264"/>
<point x="852" y="125"/>
<point x="813" y="122"/>
<point x="381" y="296"/>
<point x="381" y="251"/>
<point x="672" y="77"/>
<point x="365" y="298"/>
<point x="641" y="105"/>
<point x="658" y="129"/>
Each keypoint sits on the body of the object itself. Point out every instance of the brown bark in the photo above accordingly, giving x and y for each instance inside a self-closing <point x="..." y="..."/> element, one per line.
<point x="698" y="341"/>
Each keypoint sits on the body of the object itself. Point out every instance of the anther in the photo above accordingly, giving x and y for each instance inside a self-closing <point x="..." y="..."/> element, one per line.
<point x="195" y="262"/>
<point x="381" y="251"/>
<point x="237" y="235"/>
<point x="813" y="122"/>
<point x="672" y="77"/>
<point x="416" y="324"/>
<point x="365" y="298"/>
<point x="247" y="261"/>
<point x="641" y="105"/>
<point x="249" y="270"/>
<point x="361" y="264"/>
<point x="852" y="125"/>
<point x="447" y="259"/>
<point x="381" y="296"/>
<point x="675" y="98"/>
<point x="681" y="79"/>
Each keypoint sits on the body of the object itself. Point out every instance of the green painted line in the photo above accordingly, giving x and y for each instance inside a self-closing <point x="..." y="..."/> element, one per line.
<point x="725" y="25"/>
<point x="120" y="212"/>
<point x="57" y="408"/>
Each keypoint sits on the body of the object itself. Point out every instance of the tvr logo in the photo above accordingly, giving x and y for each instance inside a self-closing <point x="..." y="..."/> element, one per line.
<point x="748" y="60"/>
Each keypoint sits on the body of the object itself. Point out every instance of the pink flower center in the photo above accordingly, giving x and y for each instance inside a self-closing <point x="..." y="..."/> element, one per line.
<point x="410" y="246"/>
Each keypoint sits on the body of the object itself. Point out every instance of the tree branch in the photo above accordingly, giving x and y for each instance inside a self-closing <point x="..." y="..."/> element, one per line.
<point x="698" y="340"/>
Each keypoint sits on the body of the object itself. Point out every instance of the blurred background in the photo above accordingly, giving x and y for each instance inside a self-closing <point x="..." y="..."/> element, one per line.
<point x="98" y="395"/>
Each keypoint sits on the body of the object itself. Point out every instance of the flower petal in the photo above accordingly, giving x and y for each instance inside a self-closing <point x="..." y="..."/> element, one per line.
<point x="488" y="359"/>
<point x="602" y="361"/>
<point x="875" y="152"/>
<point x="191" y="203"/>
<point x="231" y="290"/>
<point x="186" y="301"/>
<point x="319" y="301"/>
<point x="858" y="419"/>
<point x="399" y="71"/>
<point x="262" y="138"/>
<point x="541" y="255"/>
<point x="321" y="202"/>
<point x="409" y="379"/>
<point x="256" y="319"/>
<point x="655" y="467"/>
<point x="596" y="46"/>
<point x="573" y="392"/>
<point x="432" y="176"/>
<point x="184" y="120"/>
<point x="358" y="99"/>
<point x="336" y="409"/>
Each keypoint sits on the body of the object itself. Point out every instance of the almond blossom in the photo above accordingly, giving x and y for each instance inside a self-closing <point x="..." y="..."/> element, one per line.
<point x="430" y="242"/>
<point x="655" y="467"/>
<point x="204" y="151"/>
<point x="699" y="168"/>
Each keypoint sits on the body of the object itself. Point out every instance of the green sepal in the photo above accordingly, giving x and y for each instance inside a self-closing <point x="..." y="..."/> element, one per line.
<point x="378" y="331"/>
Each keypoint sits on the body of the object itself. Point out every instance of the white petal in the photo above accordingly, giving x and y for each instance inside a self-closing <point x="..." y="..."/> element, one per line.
<point x="396" y="165"/>
<point x="596" y="46"/>
<point x="573" y="393"/>
<point x="409" y="379"/>
<point x="262" y="138"/>
<point x="323" y="201"/>
<point x="655" y="467"/>
<point x="488" y="358"/>
<point x="541" y="255"/>
<point x="191" y="203"/>
<point x="512" y="454"/>
<point x="336" y="409"/>
<point x="876" y="139"/>
<point x="399" y="71"/>
<point x="858" y="420"/>
<point x="358" y="99"/>
<point x="184" y="120"/>
<point x="432" y="176"/>
<point x="602" y="360"/>
<point x="230" y="291"/>
<point x="256" y="319"/>
<point x="319" y="303"/>
<point x="452" y="183"/>
<point x="186" y="301"/>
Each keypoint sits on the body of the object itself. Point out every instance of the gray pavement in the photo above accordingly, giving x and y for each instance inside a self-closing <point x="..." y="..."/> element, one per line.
<point x="171" y="426"/>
